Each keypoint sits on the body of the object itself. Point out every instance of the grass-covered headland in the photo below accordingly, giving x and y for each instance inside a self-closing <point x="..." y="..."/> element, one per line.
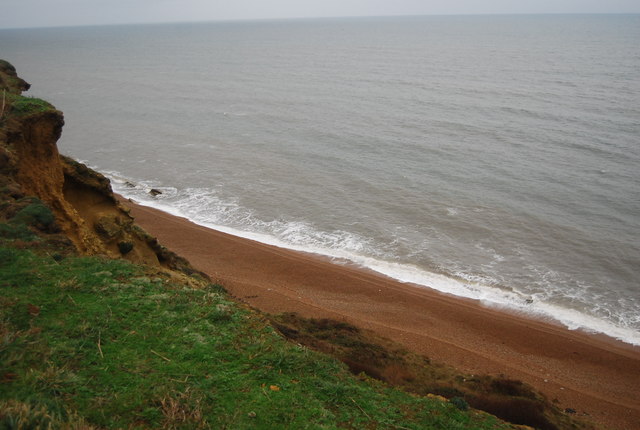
<point x="93" y="342"/>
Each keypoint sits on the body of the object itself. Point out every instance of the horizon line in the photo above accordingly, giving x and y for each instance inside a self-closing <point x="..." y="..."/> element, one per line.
<point x="309" y="18"/>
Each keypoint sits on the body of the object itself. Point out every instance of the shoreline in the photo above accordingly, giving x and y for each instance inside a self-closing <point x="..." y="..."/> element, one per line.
<point x="595" y="375"/>
<point x="564" y="318"/>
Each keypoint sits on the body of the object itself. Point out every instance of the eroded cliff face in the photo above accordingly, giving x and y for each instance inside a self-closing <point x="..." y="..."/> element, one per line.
<point x="85" y="209"/>
<point x="39" y="172"/>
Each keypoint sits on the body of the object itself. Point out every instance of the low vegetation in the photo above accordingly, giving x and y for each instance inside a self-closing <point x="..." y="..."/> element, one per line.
<point x="19" y="105"/>
<point x="25" y="217"/>
<point x="12" y="103"/>
<point x="91" y="342"/>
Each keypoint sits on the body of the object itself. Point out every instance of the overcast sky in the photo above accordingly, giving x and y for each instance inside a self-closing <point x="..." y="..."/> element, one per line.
<point x="47" y="13"/>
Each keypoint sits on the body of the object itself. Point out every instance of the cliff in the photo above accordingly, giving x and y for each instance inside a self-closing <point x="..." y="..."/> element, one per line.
<point x="84" y="208"/>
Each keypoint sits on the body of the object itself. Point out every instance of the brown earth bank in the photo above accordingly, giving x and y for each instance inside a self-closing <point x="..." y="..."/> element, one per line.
<point x="595" y="376"/>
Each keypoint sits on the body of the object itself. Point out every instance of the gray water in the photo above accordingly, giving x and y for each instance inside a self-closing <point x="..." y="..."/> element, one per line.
<point x="491" y="157"/>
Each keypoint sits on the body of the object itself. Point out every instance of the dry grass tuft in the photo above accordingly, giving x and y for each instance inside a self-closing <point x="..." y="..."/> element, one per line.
<point x="182" y="409"/>
<point x="20" y="415"/>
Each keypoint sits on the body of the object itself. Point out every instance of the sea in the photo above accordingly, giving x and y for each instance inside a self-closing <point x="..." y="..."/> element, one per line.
<point x="495" y="158"/>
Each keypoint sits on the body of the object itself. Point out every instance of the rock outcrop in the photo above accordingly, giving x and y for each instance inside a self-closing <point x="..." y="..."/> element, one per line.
<point x="81" y="200"/>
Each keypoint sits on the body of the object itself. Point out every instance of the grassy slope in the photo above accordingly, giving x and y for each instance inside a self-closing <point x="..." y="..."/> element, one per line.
<point x="110" y="344"/>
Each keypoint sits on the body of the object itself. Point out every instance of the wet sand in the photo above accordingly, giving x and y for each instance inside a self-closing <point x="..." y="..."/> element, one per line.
<point x="594" y="375"/>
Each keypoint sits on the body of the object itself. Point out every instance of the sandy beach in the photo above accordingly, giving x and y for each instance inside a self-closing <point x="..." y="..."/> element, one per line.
<point x="594" y="375"/>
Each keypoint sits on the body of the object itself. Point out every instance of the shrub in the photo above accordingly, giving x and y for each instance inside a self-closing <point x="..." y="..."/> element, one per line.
<point x="36" y="214"/>
<point x="17" y="231"/>
<point x="459" y="403"/>
<point x="511" y="387"/>
<point x="517" y="410"/>
<point x="125" y="247"/>
<point x="7" y="256"/>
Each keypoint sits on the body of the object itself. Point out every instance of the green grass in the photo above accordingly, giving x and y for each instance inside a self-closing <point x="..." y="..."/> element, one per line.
<point x="22" y="106"/>
<point x="90" y="341"/>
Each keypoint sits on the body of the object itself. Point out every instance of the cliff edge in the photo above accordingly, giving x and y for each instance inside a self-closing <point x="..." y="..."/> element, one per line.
<point x="34" y="178"/>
